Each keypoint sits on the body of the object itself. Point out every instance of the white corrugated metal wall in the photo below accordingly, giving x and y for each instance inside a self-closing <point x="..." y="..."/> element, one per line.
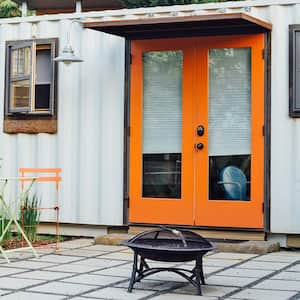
<point x="89" y="142"/>
<point x="285" y="131"/>
<point x="88" y="145"/>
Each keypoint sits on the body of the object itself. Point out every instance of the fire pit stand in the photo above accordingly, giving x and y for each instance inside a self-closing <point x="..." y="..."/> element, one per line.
<point x="142" y="270"/>
<point x="168" y="245"/>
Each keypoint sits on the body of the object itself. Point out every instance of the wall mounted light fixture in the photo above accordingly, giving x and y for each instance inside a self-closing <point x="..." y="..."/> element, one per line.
<point x="68" y="56"/>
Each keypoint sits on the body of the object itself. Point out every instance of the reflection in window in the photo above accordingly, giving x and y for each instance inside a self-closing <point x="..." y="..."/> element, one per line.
<point x="20" y="62"/>
<point x="162" y="175"/>
<point x="20" y="94"/>
<point x="229" y="177"/>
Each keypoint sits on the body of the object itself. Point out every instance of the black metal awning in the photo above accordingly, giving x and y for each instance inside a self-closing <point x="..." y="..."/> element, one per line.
<point x="181" y="26"/>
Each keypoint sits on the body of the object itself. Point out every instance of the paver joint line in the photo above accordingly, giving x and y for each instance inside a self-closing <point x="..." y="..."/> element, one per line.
<point x="11" y="291"/>
<point x="180" y="285"/>
<point x="90" y="288"/>
<point x="254" y="283"/>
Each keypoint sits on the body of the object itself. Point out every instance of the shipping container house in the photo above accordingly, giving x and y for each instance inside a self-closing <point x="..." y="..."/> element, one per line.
<point x="184" y="115"/>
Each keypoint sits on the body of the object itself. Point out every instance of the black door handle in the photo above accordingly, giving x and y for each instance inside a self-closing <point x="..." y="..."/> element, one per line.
<point x="200" y="130"/>
<point x="199" y="146"/>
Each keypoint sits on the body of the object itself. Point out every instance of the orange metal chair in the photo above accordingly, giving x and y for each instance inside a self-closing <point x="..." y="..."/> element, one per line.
<point x="56" y="178"/>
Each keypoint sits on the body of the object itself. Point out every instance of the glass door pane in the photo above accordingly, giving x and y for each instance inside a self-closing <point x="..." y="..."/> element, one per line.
<point x="229" y="124"/>
<point x="162" y="124"/>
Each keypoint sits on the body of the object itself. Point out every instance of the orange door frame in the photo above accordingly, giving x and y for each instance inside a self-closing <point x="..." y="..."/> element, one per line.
<point x="226" y="213"/>
<point x="194" y="208"/>
<point x="158" y="210"/>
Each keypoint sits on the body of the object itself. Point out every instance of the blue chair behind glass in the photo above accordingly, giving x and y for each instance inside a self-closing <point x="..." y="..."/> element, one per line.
<point x="234" y="183"/>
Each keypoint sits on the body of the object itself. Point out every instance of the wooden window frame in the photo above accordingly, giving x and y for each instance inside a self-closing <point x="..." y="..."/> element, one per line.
<point x="11" y="45"/>
<point x="294" y="109"/>
<point x="31" y="121"/>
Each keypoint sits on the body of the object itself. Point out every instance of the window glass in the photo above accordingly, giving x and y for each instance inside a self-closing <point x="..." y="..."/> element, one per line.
<point x="20" y="94"/>
<point x="20" y="62"/>
<point x="30" y="85"/>
<point x="43" y="77"/>
<point x="229" y="124"/>
<point x="297" y="72"/>
<point x="43" y="66"/>
<point x="162" y="123"/>
<point x="42" y="97"/>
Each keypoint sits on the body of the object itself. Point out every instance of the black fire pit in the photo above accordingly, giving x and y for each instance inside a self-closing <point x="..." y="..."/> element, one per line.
<point x="169" y="245"/>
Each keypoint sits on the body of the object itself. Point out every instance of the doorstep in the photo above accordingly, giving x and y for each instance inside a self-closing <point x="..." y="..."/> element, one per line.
<point x="253" y="247"/>
<point x="212" y="233"/>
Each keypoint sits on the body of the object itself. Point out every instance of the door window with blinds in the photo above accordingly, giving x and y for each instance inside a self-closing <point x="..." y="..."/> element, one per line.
<point x="30" y="82"/>
<point x="162" y="124"/>
<point x="229" y="124"/>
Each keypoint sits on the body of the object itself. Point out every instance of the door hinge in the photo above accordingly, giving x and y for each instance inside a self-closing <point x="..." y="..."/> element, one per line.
<point x="130" y="59"/>
<point x="128" y="131"/>
<point x="263" y="51"/>
<point x="263" y="207"/>
<point x="263" y="130"/>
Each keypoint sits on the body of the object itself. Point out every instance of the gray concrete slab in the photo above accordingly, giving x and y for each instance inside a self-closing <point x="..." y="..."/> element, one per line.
<point x="263" y="294"/>
<point x="31" y="296"/>
<point x="254" y="247"/>
<point x="82" y="271"/>
<point x="119" y="294"/>
<point x="18" y="283"/>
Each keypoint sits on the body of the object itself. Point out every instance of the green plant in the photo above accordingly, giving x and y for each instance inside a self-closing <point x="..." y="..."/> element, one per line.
<point x="53" y="238"/>
<point x="3" y="223"/>
<point x="9" y="9"/>
<point x="30" y="216"/>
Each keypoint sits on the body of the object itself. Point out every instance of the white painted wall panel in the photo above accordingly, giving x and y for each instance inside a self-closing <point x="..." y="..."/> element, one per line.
<point x="285" y="151"/>
<point x="89" y="143"/>
<point x="90" y="115"/>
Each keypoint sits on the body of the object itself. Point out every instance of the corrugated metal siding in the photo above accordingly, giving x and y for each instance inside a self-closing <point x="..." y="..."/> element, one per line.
<point x="89" y="143"/>
<point x="285" y="149"/>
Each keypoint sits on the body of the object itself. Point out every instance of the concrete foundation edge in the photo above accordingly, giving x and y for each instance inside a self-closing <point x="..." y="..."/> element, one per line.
<point x="253" y="247"/>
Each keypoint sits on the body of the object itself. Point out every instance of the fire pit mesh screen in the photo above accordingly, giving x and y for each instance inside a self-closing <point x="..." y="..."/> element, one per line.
<point x="170" y="238"/>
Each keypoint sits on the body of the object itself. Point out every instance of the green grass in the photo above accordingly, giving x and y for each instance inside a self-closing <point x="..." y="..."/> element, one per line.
<point x="48" y="237"/>
<point x="3" y="223"/>
<point x="30" y="216"/>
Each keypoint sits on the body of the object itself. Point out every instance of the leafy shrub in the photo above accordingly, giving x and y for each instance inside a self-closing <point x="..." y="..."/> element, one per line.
<point x="9" y="9"/>
<point x="3" y="223"/>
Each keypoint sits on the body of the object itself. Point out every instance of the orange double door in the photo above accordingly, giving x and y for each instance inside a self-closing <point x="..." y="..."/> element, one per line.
<point x="196" y="131"/>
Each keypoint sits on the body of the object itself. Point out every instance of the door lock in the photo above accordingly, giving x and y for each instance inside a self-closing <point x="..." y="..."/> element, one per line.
<point x="199" y="146"/>
<point x="200" y="130"/>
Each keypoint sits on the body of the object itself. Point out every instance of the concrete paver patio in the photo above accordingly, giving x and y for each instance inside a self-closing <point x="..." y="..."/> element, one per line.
<point x="83" y="271"/>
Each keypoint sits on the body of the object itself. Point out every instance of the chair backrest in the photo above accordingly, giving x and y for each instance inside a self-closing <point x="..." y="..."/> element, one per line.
<point x="234" y="183"/>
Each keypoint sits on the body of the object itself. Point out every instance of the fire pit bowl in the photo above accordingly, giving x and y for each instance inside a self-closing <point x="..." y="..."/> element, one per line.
<point x="169" y="245"/>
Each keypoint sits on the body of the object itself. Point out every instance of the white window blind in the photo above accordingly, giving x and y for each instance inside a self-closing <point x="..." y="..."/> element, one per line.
<point x="229" y="101"/>
<point x="162" y="101"/>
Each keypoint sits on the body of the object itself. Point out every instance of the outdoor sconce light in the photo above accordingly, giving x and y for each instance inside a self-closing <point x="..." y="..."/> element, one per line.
<point x="68" y="56"/>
